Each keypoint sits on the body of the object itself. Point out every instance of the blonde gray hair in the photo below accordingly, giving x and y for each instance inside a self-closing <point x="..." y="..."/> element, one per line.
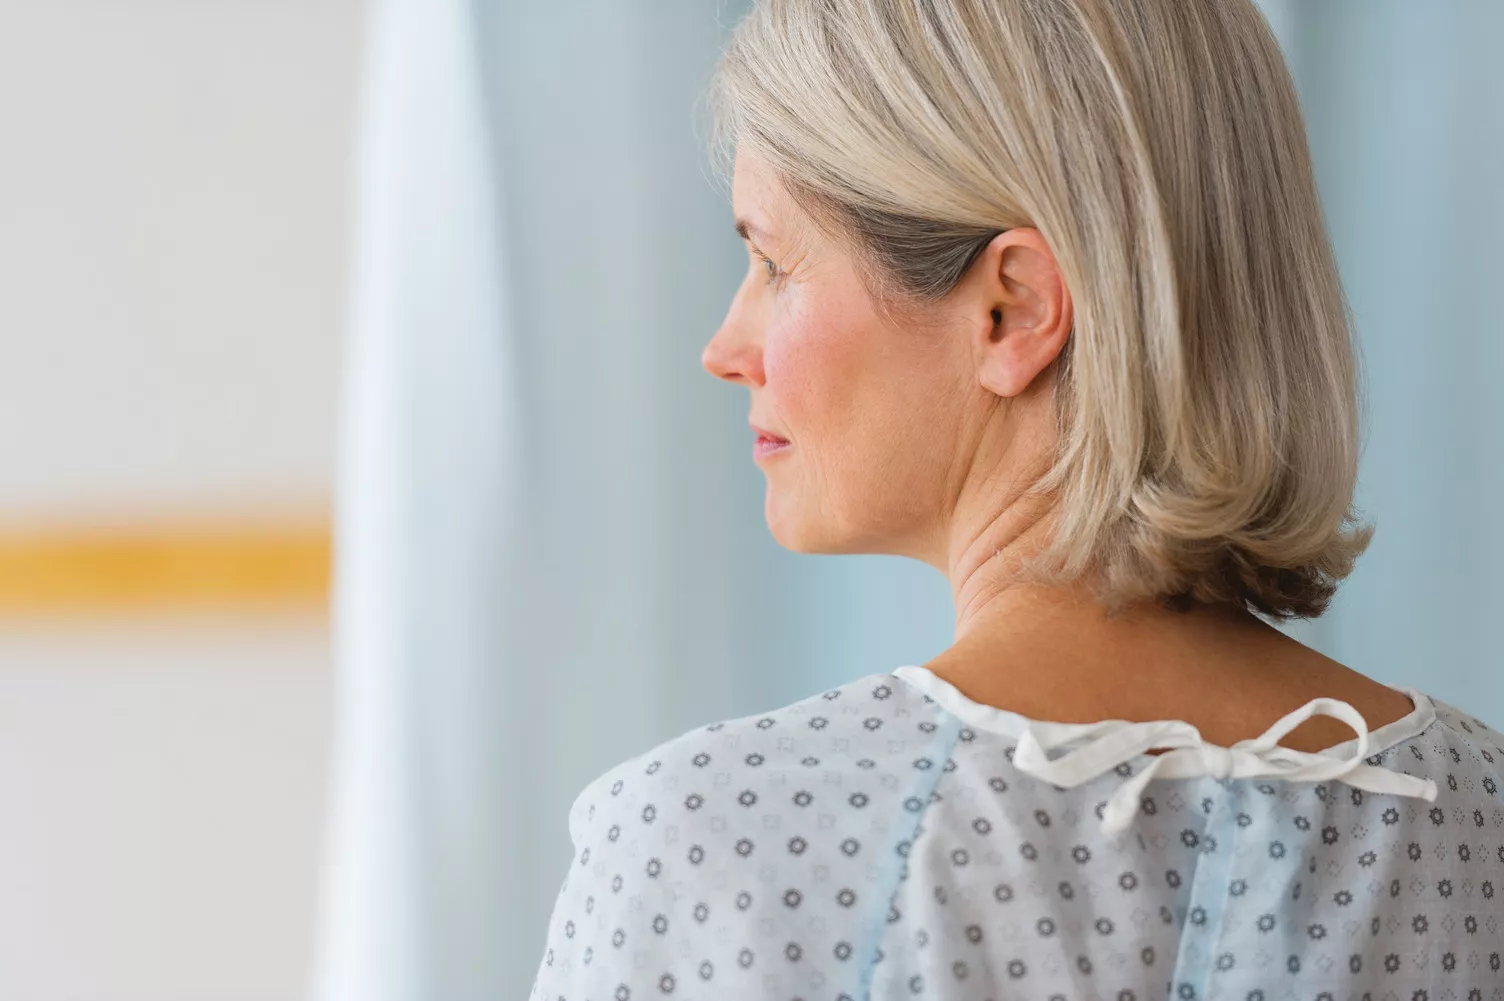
<point x="1207" y="398"/>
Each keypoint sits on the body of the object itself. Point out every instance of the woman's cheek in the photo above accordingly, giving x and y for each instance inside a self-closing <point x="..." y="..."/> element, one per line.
<point x="816" y="373"/>
<point x="791" y="367"/>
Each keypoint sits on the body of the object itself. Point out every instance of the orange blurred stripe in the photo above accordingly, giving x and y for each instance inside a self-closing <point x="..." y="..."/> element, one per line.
<point x="173" y="566"/>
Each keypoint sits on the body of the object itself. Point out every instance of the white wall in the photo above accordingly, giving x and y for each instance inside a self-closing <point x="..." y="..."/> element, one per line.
<point x="161" y="801"/>
<point x="173" y="205"/>
<point x="173" y="230"/>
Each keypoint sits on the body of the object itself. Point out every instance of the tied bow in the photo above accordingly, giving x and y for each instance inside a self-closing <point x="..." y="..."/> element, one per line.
<point x="1187" y="755"/>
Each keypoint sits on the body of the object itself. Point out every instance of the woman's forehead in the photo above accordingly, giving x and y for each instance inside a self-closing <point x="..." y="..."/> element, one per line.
<point x="765" y="212"/>
<point x="751" y="191"/>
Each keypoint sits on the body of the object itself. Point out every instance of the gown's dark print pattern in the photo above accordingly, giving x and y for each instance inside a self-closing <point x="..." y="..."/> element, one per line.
<point x="866" y="843"/>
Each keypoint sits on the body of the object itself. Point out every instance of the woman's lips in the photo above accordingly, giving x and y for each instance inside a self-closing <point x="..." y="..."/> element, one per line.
<point x="767" y="444"/>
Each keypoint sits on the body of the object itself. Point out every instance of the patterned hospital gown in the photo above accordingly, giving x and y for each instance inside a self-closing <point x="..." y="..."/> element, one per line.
<point x="892" y="839"/>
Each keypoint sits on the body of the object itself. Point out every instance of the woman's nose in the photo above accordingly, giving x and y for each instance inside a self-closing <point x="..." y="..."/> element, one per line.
<point x="733" y="356"/>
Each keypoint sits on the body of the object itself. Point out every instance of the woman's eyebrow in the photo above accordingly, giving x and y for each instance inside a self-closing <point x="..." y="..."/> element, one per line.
<point x="745" y="229"/>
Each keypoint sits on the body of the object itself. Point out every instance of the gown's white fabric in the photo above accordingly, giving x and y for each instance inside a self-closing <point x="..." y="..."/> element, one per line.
<point x="891" y="838"/>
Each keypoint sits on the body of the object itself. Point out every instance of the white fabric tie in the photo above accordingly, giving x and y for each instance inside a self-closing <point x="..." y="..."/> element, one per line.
<point x="1110" y="743"/>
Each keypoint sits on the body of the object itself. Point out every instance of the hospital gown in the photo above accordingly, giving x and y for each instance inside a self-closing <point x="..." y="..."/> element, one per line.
<point x="890" y="838"/>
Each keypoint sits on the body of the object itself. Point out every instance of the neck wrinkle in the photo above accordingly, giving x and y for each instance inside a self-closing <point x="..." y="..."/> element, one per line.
<point x="984" y="575"/>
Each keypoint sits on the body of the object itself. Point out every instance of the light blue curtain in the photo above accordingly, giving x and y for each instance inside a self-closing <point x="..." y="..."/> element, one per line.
<point x="1405" y="106"/>
<point x="552" y="552"/>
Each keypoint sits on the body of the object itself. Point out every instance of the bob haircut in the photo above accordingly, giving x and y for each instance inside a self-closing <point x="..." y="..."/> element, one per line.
<point x="1207" y="396"/>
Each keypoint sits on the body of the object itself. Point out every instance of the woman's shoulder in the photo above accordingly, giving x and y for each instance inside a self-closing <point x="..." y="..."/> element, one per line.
<point x="1452" y="735"/>
<point x="828" y="739"/>
<point x="752" y="855"/>
<point x="1473" y="728"/>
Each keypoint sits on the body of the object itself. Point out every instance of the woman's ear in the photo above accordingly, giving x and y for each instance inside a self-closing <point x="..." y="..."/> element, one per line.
<point x="1026" y="313"/>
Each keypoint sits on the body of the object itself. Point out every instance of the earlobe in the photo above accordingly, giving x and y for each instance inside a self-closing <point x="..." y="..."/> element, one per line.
<point x="1015" y="357"/>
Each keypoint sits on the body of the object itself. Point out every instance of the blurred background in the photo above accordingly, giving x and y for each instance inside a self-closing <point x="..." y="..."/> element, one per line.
<point x="363" y="496"/>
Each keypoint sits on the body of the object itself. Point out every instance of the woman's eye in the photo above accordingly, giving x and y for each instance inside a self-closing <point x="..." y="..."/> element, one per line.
<point x="768" y="266"/>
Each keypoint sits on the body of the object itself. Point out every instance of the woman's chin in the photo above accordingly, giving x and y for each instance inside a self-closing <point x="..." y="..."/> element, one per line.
<point x="817" y="533"/>
<point x="784" y="527"/>
<point x="796" y="533"/>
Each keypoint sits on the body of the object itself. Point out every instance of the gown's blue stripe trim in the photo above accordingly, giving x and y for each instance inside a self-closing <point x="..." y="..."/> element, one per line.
<point x="948" y="734"/>
<point x="1211" y="883"/>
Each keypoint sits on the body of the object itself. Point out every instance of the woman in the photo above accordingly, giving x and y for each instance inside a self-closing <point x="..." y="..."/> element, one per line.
<point x="1040" y="294"/>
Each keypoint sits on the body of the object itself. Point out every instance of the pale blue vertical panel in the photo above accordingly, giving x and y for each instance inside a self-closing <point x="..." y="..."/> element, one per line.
<point x="1403" y="101"/>
<point x="656" y="600"/>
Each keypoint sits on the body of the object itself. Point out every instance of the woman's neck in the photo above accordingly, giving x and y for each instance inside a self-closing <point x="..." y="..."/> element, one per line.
<point x="1054" y="653"/>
